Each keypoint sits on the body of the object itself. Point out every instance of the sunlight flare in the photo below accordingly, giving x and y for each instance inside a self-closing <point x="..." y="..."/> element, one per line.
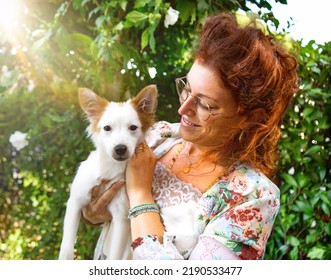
<point x="9" y="14"/>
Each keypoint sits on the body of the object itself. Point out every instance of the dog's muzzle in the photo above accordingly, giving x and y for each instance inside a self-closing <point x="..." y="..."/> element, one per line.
<point x="120" y="152"/>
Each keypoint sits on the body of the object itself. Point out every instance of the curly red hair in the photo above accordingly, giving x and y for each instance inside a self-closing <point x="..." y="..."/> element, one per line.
<point x="260" y="74"/>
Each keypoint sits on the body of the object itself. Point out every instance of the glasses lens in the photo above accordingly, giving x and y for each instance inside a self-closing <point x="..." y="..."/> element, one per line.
<point x="203" y="109"/>
<point x="182" y="91"/>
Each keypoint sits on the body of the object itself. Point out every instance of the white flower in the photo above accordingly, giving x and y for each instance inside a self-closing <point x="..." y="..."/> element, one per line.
<point x="18" y="140"/>
<point x="31" y="86"/>
<point x="291" y="171"/>
<point x="171" y="17"/>
<point x="152" y="72"/>
<point x="313" y="224"/>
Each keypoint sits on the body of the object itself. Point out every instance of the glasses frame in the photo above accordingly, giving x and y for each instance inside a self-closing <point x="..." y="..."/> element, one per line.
<point x="189" y="93"/>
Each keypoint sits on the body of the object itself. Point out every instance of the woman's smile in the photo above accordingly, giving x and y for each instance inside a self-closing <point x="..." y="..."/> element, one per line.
<point x="187" y="123"/>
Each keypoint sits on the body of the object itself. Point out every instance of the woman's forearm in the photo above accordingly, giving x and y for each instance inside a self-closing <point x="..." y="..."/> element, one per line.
<point x="139" y="175"/>
<point x="146" y="223"/>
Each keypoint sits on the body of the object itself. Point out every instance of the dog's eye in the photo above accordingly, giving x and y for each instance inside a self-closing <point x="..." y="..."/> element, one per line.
<point x="107" y="128"/>
<point x="133" y="127"/>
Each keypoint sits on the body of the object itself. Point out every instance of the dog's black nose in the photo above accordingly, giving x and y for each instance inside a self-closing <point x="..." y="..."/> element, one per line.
<point x="120" y="149"/>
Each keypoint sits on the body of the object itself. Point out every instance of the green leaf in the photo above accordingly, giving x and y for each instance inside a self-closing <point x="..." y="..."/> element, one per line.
<point x="119" y="26"/>
<point x="313" y="150"/>
<point x="39" y="43"/>
<point x="316" y="115"/>
<point x="316" y="253"/>
<point x="306" y="159"/>
<point x="186" y="10"/>
<point x="55" y="117"/>
<point x="305" y="207"/>
<point x="307" y="111"/>
<point x="293" y="241"/>
<point x="294" y="253"/>
<point x="310" y="238"/>
<point x="144" y="38"/>
<point x="325" y="198"/>
<point x="100" y="20"/>
<point x="328" y="228"/>
<point x="93" y="11"/>
<point x="141" y="3"/>
<point x="314" y="200"/>
<point x="202" y="5"/>
<point x="123" y="4"/>
<point x="302" y="180"/>
<point x="322" y="172"/>
<point x="316" y="92"/>
<point x="326" y="209"/>
<point x="289" y="179"/>
<point x="152" y="42"/>
<point x="136" y="17"/>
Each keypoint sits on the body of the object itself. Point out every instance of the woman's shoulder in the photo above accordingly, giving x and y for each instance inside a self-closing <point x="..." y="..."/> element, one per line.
<point x="242" y="188"/>
<point x="246" y="180"/>
<point x="160" y="132"/>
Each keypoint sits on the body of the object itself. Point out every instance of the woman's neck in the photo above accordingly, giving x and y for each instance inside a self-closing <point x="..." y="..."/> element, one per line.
<point x="197" y="150"/>
<point x="216" y="154"/>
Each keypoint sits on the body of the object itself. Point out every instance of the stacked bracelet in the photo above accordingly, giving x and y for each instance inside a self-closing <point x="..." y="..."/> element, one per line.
<point x="143" y="208"/>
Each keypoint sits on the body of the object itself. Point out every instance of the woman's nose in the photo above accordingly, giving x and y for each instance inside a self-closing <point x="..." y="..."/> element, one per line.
<point x="187" y="107"/>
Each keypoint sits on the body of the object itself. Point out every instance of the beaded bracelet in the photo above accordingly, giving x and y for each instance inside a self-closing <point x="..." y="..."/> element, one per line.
<point x="143" y="208"/>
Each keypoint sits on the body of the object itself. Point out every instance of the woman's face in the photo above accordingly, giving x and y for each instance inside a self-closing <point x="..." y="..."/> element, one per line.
<point x="223" y="120"/>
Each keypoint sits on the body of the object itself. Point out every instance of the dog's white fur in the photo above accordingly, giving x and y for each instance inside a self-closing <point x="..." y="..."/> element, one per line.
<point x="116" y="129"/>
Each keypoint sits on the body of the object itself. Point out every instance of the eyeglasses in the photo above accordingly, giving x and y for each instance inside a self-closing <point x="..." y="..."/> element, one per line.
<point x="201" y="107"/>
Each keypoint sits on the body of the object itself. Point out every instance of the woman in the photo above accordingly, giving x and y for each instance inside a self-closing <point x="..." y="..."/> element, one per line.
<point x="211" y="176"/>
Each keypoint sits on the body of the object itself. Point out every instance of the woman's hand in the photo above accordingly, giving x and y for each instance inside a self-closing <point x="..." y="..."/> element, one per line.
<point x="96" y="212"/>
<point x="139" y="175"/>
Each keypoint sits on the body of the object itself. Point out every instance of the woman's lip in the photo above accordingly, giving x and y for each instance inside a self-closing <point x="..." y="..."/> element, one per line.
<point x="186" y="123"/>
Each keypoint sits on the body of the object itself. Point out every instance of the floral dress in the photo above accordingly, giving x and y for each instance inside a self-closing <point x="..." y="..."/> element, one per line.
<point x="231" y="220"/>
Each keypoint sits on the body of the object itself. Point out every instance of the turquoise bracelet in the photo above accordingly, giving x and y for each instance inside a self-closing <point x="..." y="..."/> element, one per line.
<point x="143" y="208"/>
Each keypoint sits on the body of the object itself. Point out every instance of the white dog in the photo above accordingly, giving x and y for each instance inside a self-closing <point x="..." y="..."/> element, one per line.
<point x="116" y="129"/>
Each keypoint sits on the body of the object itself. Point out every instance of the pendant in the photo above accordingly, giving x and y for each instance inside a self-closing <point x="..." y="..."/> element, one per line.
<point x="186" y="169"/>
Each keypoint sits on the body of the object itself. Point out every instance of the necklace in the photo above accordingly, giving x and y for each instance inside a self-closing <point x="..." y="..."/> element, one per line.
<point x="190" y="165"/>
<point x="176" y="154"/>
<point x="187" y="168"/>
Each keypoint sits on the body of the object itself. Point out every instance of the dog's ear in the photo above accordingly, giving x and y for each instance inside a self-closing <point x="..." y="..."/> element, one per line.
<point x="146" y="100"/>
<point x="92" y="104"/>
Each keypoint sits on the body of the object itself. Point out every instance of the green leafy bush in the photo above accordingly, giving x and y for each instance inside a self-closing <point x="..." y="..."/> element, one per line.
<point x="111" y="47"/>
<point x="303" y="226"/>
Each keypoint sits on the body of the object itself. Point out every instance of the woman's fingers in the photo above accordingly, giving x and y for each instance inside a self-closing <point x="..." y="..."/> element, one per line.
<point x="106" y="197"/>
<point x="96" y="212"/>
<point x="96" y="190"/>
<point x="141" y="147"/>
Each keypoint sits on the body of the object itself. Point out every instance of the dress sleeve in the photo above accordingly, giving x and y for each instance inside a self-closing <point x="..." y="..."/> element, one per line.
<point x="160" y="132"/>
<point x="241" y="218"/>
<point x="241" y="233"/>
<point x="149" y="248"/>
<point x="234" y="221"/>
<point x="209" y="248"/>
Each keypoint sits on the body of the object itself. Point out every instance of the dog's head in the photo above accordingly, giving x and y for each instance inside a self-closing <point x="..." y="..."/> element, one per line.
<point x="116" y="128"/>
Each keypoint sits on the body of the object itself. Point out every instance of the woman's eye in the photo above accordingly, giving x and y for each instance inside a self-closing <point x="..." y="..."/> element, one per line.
<point x="133" y="127"/>
<point x="203" y="104"/>
<point x="107" y="128"/>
